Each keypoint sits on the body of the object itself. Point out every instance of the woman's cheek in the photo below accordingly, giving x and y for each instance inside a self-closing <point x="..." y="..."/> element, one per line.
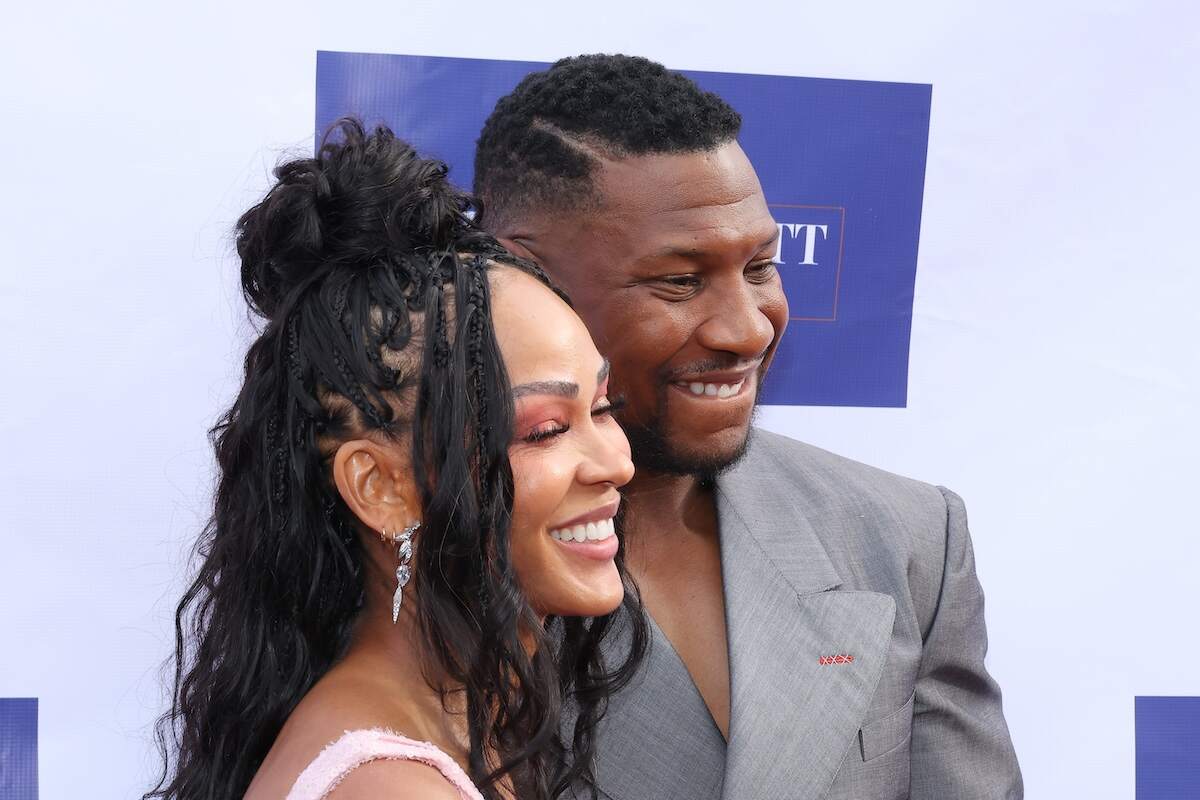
<point x="540" y="483"/>
<point x="525" y="483"/>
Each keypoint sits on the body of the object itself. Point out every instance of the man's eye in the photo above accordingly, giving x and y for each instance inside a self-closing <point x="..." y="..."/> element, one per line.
<point x="761" y="270"/>
<point x="679" y="287"/>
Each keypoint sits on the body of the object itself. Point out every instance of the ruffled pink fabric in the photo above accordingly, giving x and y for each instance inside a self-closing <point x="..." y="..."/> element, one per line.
<point x="356" y="748"/>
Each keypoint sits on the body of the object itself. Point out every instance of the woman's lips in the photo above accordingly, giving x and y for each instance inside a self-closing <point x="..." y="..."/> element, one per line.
<point x="585" y="532"/>
<point x="596" y="549"/>
<point x="592" y="535"/>
<point x="604" y="512"/>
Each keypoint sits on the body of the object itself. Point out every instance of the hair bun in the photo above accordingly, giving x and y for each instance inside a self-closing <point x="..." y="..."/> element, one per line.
<point x="364" y="199"/>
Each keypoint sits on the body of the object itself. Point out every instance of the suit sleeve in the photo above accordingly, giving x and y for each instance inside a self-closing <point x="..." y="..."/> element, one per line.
<point x="960" y="742"/>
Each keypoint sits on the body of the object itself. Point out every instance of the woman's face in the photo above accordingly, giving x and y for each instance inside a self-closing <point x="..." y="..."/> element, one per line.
<point x="568" y="454"/>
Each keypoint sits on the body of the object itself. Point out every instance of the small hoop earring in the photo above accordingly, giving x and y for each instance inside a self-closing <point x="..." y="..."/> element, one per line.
<point x="404" y="551"/>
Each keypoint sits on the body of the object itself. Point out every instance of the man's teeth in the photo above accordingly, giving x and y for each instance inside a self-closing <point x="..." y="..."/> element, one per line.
<point x="715" y="389"/>
<point x="592" y="531"/>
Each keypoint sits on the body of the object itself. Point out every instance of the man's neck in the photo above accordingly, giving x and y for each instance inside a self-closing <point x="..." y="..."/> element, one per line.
<point x="673" y="552"/>
<point x="663" y="504"/>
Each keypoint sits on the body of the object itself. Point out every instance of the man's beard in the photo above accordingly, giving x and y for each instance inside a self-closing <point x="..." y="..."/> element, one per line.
<point x="653" y="452"/>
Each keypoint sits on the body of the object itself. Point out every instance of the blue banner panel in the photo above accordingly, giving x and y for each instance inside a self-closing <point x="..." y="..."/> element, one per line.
<point x="1167" y="730"/>
<point x="18" y="748"/>
<point x="842" y="164"/>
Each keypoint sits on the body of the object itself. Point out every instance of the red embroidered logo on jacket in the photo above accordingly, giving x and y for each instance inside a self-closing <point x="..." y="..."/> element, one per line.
<point x="841" y="659"/>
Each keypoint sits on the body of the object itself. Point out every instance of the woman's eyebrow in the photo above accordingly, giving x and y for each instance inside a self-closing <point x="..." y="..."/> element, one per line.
<point x="556" y="388"/>
<point x="568" y="389"/>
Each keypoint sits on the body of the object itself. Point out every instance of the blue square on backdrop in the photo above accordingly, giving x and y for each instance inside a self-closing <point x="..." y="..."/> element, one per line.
<point x="18" y="748"/>
<point x="809" y="259"/>
<point x="842" y="164"/>
<point x="1167" y="730"/>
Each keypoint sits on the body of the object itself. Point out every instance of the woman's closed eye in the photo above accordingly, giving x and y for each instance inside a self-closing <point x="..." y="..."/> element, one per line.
<point x="546" y="430"/>
<point x="607" y="406"/>
<point x="551" y="428"/>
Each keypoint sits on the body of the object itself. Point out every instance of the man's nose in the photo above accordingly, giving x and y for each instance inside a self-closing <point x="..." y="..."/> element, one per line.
<point x="736" y="324"/>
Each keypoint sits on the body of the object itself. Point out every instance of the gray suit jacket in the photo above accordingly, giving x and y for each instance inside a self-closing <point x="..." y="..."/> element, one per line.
<point x="824" y="557"/>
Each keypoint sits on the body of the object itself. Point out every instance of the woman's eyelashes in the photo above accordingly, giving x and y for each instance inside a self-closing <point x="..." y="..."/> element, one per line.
<point x="551" y="428"/>
<point x="608" y="406"/>
<point x="546" y="430"/>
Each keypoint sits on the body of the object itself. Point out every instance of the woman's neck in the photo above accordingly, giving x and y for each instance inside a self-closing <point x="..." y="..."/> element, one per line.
<point x="423" y="701"/>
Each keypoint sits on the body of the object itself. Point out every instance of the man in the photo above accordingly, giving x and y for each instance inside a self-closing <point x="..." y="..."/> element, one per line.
<point x="817" y="626"/>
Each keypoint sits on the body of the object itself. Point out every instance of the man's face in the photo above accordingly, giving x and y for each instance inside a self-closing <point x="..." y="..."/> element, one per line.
<point x="673" y="276"/>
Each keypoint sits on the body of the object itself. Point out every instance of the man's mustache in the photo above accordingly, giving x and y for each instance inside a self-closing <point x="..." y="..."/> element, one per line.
<point x="713" y="365"/>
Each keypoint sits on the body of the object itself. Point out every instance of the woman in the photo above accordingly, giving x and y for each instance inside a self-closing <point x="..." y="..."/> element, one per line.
<point x="418" y="476"/>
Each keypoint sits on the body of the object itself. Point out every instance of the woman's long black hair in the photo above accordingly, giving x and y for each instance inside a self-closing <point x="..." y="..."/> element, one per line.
<point x="371" y="280"/>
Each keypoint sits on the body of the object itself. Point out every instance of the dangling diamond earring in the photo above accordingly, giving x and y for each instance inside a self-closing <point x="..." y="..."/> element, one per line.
<point x="403" y="571"/>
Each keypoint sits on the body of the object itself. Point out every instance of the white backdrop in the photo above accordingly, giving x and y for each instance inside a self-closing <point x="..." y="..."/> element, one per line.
<point x="1054" y="365"/>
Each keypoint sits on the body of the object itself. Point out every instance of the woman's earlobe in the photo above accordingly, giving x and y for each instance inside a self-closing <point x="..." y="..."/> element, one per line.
<point x="371" y="486"/>
<point x="350" y="466"/>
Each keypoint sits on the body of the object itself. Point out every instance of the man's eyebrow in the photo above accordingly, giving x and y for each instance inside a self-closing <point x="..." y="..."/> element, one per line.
<point x="602" y="373"/>
<point x="691" y="251"/>
<point x="772" y="239"/>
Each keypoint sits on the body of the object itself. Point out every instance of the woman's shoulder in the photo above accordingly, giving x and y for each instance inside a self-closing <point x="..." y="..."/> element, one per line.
<point x="375" y="763"/>
<point x="389" y="779"/>
<point x="352" y="730"/>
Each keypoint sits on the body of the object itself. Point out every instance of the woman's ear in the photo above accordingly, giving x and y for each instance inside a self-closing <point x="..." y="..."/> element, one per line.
<point x="376" y="484"/>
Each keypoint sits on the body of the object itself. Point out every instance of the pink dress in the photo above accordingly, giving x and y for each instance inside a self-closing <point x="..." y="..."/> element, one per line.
<point x="356" y="748"/>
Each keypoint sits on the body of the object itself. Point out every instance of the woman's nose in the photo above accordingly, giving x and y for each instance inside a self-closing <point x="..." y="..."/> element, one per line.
<point x="607" y="458"/>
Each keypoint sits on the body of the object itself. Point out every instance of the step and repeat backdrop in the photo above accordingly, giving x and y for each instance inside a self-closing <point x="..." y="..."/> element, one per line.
<point x="845" y="192"/>
<point x="1037" y="352"/>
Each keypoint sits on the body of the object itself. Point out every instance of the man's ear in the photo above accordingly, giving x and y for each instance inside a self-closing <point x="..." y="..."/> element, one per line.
<point x="376" y="484"/>
<point x="518" y="247"/>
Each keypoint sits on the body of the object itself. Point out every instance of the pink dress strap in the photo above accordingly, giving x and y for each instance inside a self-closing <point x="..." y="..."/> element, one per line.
<point x="356" y="748"/>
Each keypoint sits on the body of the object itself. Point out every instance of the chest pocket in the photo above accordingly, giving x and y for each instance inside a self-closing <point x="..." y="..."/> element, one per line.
<point x="886" y="734"/>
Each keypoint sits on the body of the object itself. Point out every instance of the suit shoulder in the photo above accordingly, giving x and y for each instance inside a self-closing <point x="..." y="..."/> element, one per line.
<point x="854" y="505"/>
<point x="829" y="473"/>
<point x="884" y="531"/>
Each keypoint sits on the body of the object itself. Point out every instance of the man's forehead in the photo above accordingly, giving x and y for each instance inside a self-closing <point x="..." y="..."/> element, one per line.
<point x="693" y="205"/>
<point x="704" y="181"/>
<point x="717" y="242"/>
<point x="678" y="203"/>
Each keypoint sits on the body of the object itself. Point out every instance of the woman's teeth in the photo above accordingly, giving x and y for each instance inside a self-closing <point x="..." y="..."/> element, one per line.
<point x="715" y="389"/>
<point x="592" y="531"/>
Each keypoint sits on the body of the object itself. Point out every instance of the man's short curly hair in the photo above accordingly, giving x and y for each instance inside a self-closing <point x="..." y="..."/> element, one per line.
<point x="543" y="141"/>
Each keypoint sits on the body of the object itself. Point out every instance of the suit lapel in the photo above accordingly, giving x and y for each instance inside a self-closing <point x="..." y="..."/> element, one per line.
<point x="792" y="718"/>
<point x="658" y="739"/>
